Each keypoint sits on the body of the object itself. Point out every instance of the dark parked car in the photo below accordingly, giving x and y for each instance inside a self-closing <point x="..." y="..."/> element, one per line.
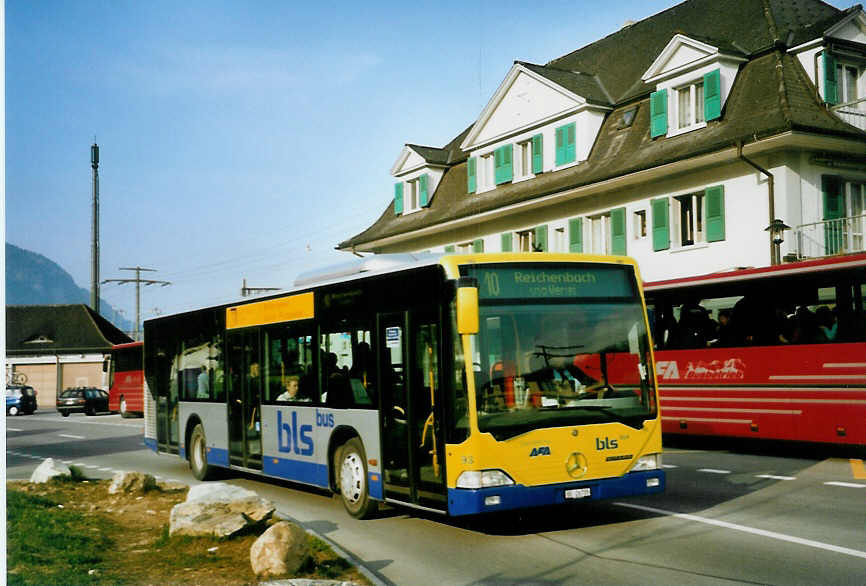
<point x="85" y="400"/>
<point x="20" y="399"/>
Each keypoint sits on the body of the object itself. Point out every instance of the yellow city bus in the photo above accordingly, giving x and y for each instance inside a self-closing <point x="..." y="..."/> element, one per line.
<point x="460" y="384"/>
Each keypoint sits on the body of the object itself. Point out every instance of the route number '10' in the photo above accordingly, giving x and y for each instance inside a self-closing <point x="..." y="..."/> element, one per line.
<point x="491" y="280"/>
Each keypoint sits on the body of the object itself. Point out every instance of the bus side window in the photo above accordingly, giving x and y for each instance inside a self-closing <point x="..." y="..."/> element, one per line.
<point x="288" y="364"/>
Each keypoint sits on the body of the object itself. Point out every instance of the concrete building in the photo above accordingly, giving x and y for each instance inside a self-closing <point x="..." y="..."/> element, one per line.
<point x="677" y="140"/>
<point x="58" y="346"/>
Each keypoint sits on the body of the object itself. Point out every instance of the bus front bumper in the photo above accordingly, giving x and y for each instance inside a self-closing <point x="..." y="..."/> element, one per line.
<point x="502" y="498"/>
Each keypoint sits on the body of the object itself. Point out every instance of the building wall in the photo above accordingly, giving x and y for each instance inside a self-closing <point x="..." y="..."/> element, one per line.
<point x="74" y="370"/>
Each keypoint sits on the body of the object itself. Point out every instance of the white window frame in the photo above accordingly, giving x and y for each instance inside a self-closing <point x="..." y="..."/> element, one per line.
<point x="464" y="248"/>
<point x="525" y="240"/>
<point x="522" y="160"/>
<point x="855" y="210"/>
<point x="560" y="243"/>
<point x="640" y="225"/>
<point x="844" y="85"/>
<point x="688" y="213"/>
<point x="485" y="172"/>
<point x="694" y="119"/>
<point x="599" y="234"/>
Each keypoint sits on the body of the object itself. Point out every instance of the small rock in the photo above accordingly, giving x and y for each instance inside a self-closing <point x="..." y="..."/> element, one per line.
<point x="48" y="469"/>
<point x="218" y="509"/>
<point x="282" y="549"/>
<point x="128" y="482"/>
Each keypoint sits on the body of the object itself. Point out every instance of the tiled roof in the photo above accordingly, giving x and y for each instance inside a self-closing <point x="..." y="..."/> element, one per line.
<point x="40" y="329"/>
<point x="583" y="84"/>
<point x="433" y="155"/>
<point x="771" y="95"/>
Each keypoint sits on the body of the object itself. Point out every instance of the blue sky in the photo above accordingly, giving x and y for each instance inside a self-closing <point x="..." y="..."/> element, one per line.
<point x="245" y="139"/>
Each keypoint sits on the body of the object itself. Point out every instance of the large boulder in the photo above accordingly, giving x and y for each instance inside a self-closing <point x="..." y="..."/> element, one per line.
<point x="48" y="469"/>
<point x="218" y="509"/>
<point x="131" y="482"/>
<point x="282" y="549"/>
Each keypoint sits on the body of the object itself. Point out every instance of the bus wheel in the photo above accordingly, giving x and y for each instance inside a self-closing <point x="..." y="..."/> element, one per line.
<point x="124" y="411"/>
<point x="198" y="455"/>
<point x="351" y="467"/>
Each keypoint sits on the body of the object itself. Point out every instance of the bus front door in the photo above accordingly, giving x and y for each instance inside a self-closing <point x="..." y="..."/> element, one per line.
<point x="244" y="408"/>
<point x="412" y="441"/>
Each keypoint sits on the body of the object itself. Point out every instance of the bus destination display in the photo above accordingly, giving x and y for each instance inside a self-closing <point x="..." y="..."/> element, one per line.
<point x="499" y="282"/>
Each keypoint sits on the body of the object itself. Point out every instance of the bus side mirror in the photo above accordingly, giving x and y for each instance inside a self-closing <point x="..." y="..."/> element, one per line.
<point x="467" y="306"/>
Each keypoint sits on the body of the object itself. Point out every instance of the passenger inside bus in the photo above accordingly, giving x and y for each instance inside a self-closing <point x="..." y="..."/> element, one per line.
<point x="292" y="392"/>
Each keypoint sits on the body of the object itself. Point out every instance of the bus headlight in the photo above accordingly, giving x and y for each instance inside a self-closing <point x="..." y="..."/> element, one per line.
<point x="483" y="479"/>
<point x="648" y="462"/>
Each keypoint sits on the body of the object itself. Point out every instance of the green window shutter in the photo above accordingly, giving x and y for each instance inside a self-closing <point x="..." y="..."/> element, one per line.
<point x="398" y="197"/>
<point x="537" y="153"/>
<point x="478" y="245"/>
<point x="450" y="248"/>
<point x="423" y="197"/>
<point x="575" y="235"/>
<point x="471" y="176"/>
<point x="560" y="146"/>
<point x="831" y="94"/>
<point x="712" y="95"/>
<point x="834" y="208"/>
<point x="506" y="242"/>
<point x="565" y="144"/>
<point x="715" y="206"/>
<point x="617" y="231"/>
<point x="659" y="113"/>
<point x="540" y="243"/>
<point x="661" y="224"/>
<point x="504" y="169"/>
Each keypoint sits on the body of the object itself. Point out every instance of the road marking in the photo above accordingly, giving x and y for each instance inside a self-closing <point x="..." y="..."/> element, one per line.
<point x="13" y="429"/>
<point x="669" y="466"/>
<point x="713" y="471"/>
<point x="105" y="469"/>
<point x="752" y="530"/>
<point x="90" y="466"/>
<point x="858" y="469"/>
<point x="774" y="477"/>
<point x="845" y="484"/>
<point x="71" y="436"/>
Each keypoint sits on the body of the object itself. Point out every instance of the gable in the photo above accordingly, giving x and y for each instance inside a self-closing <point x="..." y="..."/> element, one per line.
<point x="409" y="160"/>
<point x="524" y="100"/>
<point x="680" y="53"/>
<point x="851" y="29"/>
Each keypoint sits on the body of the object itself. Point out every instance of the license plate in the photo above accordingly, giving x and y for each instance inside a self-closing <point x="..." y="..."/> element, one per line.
<point x="577" y="493"/>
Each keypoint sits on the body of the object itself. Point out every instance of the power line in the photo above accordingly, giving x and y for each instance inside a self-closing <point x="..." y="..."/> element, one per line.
<point x="138" y="282"/>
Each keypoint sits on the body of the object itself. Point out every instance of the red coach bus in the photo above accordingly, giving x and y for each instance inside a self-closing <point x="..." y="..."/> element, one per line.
<point x="774" y="353"/>
<point x="126" y="386"/>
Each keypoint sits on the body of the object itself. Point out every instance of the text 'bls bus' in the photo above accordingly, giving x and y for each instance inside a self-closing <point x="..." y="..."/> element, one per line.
<point x="126" y="380"/>
<point x="775" y="353"/>
<point x="459" y="384"/>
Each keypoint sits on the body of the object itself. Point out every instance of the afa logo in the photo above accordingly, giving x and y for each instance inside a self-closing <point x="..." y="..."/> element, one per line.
<point x="540" y="451"/>
<point x="294" y="438"/>
<point x="606" y="444"/>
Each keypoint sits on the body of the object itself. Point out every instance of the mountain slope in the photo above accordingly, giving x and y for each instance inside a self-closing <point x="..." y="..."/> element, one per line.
<point x="32" y="279"/>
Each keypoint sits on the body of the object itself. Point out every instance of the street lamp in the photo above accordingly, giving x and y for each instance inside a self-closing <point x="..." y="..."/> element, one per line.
<point x="777" y="235"/>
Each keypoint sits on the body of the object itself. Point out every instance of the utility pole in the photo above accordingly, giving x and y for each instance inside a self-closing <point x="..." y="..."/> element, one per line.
<point x="247" y="291"/>
<point x="94" y="246"/>
<point x="138" y="283"/>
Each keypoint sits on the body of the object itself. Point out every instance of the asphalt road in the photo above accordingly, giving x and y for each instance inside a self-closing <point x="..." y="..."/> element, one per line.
<point x="745" y="515"/>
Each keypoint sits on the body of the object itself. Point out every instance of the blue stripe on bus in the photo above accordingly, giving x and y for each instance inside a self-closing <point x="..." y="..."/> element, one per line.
<point x="218" y="457"/>
<point x="150" y="443"/>
<point x="469" y="502"/>
<point x="374" y="482"/>
<point x="298" y="470"/>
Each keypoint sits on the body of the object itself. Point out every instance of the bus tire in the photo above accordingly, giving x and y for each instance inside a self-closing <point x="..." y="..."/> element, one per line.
<point x="198" y="455"/>
<point x="350" y="465"/>
<point x="124" y="410"/>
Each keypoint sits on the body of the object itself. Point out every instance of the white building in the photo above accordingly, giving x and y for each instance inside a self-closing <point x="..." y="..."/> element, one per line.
<point x="676" y="140"/>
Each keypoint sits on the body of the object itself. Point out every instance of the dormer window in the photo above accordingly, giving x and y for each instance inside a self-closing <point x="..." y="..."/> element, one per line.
<point x="690" y="105"/>
<point x="411" y="195"/>
<point x="692" y="79"/>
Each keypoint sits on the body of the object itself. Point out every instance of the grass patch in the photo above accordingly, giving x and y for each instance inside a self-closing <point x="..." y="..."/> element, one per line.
<point x="50" y="545"/>
<point x="125" y="539"/>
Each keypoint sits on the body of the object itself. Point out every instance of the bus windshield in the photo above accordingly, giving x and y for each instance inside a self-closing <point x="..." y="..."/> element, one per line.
<point x="577" y="358"/>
